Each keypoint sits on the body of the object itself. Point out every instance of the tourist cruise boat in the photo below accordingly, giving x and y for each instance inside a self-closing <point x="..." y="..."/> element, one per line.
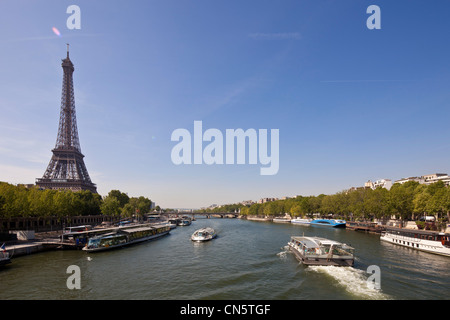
<point x="329" y="223"/>
<point x="302" y="221"/>
<point x="429" y="241"/>
<point x="123" y="237"/>
<point x="318" y="251"/>
<point x="203" y="234"/>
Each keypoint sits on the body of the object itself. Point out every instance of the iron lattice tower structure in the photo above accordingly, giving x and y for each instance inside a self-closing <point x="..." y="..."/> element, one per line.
<point x="66" y="169"/>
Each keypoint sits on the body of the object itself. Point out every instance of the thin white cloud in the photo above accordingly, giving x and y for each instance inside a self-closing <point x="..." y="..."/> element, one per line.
<point x="360" y="81"/>
<point x="276" y="36"/>
<point x="225" y="96"/>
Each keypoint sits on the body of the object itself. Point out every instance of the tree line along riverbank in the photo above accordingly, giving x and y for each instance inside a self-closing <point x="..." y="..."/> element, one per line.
<point x="407" y="201"/>
<point x="21" y="201"/>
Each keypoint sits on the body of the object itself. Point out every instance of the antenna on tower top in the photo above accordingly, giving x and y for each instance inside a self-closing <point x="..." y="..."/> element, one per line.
<point x="67" y="50"/>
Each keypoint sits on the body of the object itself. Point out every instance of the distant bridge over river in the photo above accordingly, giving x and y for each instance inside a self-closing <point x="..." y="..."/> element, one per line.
<point x="207" y="215"/>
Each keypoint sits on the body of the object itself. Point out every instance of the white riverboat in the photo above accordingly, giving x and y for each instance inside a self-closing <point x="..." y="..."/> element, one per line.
<point x="318" y="251"/>
<point x="302" y="221"/>
<point x="281" y="220"/>
<point x="203" y="234"/>
<point x="429" y="241"/>
<point x="123" y="237"/>
<point x="184" y="221"/>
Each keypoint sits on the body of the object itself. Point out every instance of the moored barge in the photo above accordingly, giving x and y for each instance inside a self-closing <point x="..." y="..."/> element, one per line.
<point x="371" y="227"/>
<point x="124" y="237"/>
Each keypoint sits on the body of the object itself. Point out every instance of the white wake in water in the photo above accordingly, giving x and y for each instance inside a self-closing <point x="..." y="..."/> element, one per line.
<point x="353" y="280"/>
<point x="283" y="254"/>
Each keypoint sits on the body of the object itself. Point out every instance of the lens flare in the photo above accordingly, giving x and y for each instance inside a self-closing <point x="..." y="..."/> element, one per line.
<point x="56" y="31"/>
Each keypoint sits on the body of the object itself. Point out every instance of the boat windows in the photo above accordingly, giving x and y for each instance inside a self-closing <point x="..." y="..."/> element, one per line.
<point x="94" y="243"/>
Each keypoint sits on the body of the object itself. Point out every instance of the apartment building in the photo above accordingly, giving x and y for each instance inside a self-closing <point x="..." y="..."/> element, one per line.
<point x="420" y="180"/>
<point x="383" y="183"/>
<point x="435" y="177"/>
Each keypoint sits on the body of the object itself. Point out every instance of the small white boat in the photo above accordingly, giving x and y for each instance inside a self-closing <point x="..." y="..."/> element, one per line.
<point x="203" y="234"/>
<point x="184" y="221"/>
<point x="281" y="220"/>
<point x="301" y="221"/>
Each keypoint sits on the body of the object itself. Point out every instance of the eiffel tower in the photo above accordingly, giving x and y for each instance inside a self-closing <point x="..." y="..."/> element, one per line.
<point x="66" y="169"/>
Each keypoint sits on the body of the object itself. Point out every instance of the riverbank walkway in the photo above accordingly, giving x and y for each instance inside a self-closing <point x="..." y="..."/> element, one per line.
<point x="43" y="241"/>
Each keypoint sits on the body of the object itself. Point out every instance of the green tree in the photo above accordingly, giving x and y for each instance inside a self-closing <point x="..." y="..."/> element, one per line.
<point x="122" y="197"/>
<point x="336" y="204"/>
<point x="315" y="203"/>
<point x="143" y="205"/>
<point x="296" y="210"/>
<point x="137" y="206"/>
<point x="288" y="204"/>
<point x="305" y="204"/>
<point x="254" y="209"/>
<point x="447" y="203"/>
<point x="437" y="203"/>
<point x="2" y="204"/>
<point x="244" y="211"/>
<point x="110" y="206"/>
<point x="421" y="200"/>
<point x="358" y="203"/>
<point x="15" y="200"/>
<point x="37" y="203"/>
<point x="270" y="209"/>
<point x="329" y="205"/>
<point x="401" y="198"/>
<point x="377" y="203"/>
<point x="63" y="204"/>
<point x="128" y="210"/>
<point x="89" y="202"/>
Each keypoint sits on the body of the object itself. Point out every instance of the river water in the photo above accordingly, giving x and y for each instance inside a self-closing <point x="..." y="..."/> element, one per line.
<point x="247" y="261"/>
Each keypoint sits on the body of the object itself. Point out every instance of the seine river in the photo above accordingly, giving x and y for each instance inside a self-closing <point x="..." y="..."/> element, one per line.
<point x="247" y="261"/>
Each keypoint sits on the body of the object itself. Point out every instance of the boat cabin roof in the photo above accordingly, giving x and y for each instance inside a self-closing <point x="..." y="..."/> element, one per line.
<point x="105" y="236"/>
<point x="414" y="231"/>
<point x="316" y="242"/>
<point x="132" y="230"/>
<point x="210" y="230"/>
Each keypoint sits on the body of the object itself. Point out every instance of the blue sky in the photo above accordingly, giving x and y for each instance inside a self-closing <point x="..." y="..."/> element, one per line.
<point x="351" y="104"/>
